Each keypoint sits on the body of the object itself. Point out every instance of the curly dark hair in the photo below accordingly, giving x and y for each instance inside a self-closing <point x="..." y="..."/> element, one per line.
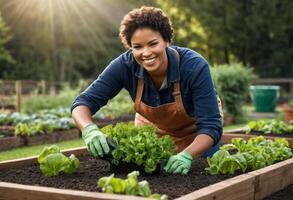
<point x="149" y="17"/>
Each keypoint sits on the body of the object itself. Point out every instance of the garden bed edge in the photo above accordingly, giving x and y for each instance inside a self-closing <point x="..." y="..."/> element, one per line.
<point x="253" y="185"/>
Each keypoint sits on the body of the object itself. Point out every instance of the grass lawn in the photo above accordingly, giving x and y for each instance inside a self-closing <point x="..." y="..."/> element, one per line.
<point x="234" y="126"/>
<point x="22" y="152"/>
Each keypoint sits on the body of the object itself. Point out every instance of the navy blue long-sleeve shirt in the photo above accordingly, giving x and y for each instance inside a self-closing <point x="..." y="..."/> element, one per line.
<point x="196" y="85"/>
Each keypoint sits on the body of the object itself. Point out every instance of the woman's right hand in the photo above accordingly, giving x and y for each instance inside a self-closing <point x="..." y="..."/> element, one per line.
<point x="95" y="140"/>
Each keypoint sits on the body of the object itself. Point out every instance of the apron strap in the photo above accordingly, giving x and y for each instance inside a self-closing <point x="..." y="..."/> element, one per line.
<point x="139" y="91"/>
<point x="177" y="96"/>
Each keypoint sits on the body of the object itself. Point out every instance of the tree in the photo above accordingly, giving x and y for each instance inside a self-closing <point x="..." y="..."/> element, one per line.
<point x="256" y="33"/>
<point x="64" y="40"/>
<point x="5" y="57"/>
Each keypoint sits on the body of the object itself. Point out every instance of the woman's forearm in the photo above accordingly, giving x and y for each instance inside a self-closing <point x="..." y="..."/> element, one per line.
<point x="200" y="145"/>
<point x="82" y="116"/>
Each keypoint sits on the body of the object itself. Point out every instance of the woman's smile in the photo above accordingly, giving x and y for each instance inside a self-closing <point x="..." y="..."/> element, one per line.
<point x="149" y="61"/>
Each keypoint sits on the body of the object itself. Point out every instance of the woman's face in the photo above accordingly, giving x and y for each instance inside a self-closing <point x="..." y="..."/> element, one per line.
<point x="149" y="50"/>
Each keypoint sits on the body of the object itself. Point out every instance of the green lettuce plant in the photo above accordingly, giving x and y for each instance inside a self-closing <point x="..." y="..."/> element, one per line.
<point x="269" y="127"/>
<point x="254" y="154"/>
<point x="139" y="145"/>
<point x="129" y="186"/>
<point x="53" y="162"/>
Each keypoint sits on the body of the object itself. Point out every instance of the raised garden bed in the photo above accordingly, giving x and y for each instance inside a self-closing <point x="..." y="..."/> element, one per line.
<point x="52" y="137"/>
<point x="229" y="135"/>
<point x="7" y="129"/>
<point x="23" y="180"/>
<point x="10" y="141"/>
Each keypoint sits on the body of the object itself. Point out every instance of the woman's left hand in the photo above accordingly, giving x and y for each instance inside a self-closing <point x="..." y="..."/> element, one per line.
<point x="179" y="163"/>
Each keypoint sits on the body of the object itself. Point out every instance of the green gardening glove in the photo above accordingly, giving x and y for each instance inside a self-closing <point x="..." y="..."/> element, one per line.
<point x="95" y="140"/>
<point x="179" y="163"/>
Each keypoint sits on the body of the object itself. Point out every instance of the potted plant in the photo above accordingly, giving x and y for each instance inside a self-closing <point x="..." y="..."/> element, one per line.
<point x="288" y="111"/>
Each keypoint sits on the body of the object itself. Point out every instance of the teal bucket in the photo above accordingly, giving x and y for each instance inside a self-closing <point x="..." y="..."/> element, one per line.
<point x="264" y="97"/>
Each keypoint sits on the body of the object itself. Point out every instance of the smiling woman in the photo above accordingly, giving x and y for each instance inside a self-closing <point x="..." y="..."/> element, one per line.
<point x="171" y="86"/>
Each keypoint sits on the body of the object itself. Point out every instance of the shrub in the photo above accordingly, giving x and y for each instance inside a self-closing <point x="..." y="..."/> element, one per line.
<point x="34" y="102"/>
<point x="232" y="83"/>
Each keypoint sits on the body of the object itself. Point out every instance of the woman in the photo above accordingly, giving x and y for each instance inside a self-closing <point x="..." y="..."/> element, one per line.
<point x="171" y="86"/>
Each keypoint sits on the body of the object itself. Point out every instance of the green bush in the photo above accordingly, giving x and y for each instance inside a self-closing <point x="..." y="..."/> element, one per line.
<point x="232" y="83"/>
<point x="120" y="105"/>
<point x="35" y="102"/>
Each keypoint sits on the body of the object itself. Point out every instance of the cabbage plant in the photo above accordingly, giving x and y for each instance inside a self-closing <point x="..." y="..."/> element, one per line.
<point x="53" y="162"/>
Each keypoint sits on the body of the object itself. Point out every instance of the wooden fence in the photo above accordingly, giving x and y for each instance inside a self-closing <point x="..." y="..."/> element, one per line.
<point x="11" y="92"/>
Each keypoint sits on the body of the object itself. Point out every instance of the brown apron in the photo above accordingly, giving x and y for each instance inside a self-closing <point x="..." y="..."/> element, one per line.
<point x="170" y="119"/>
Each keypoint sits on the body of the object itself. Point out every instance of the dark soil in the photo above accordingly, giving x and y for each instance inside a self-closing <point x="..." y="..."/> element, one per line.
<point x="91" y="170"/>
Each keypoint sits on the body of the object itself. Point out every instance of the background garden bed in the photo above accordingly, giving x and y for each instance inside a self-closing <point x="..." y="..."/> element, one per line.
<point x="106" y="121"/>
<point x="10" y="142"/>
<point x="239" y="133"/>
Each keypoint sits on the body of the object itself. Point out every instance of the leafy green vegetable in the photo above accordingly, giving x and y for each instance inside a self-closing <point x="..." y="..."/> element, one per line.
<point x="73" y="164"/>
<point x="120" y="105"/>
<point x="269" y="127"/>
<point x="47" y="151"/>
<point x="53" y="162"/>
<point x="129" y="186"/>
<point x="139" y="145"/>
<point x="254" y="154"/>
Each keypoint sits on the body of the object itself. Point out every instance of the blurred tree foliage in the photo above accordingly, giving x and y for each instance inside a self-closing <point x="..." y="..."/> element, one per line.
<point x="6" y="59"/>
<point x="73" y="39"/>
<point x="64" y="39"/>
<point x="255" y="32"/>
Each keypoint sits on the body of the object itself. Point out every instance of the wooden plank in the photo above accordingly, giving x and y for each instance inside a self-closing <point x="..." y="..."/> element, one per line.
<point x="273" y="80"/>
<point x="32" y="160"/>
<point x="273" y="178"/>
<point x="276" y="80"/>
<point x="14" y="191"/>
<point x="18" y="141"/>
<point x="237" y="188"/>
<point x="11" y="142"/>
<point x="228" y="136"/>
<point x="17" y="162"/>
<point x="56" y="136"/>
<point x="18" y="90"/>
